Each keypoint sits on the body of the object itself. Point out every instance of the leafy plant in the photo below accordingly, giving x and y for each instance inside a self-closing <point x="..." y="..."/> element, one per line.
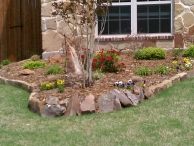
<point x="1" y="66"/>
<point x="54" y="69"/>
<point x="189" y="52"/>
<point x="107" y="61"/>
<point x="98" y="74"/>
<point x="150" y="53"/>
<point x="177" y="52"/>
<point x="34" y="64"/>
<point x="6" y="62"/>
<point x="143" y="71"/>
<point x="164" y="70"/>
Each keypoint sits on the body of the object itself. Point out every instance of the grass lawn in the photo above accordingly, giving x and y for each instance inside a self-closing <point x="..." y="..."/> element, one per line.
<point x="167" y="120"/>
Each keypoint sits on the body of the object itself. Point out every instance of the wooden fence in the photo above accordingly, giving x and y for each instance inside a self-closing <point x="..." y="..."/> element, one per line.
<point x="20" y="29"/>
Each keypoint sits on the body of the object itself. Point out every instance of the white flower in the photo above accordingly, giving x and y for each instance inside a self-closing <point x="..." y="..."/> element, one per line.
<point x="129" y="81"/>
<point x="120" y="83"/>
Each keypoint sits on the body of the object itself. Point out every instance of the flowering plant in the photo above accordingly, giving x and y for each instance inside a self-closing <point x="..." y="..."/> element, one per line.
<point x="51" y="85"/>
<point x="188" y="63"/>
<point x="60" y="85"/>
<point x="107" y="61"/>
<point x="47" y="86"/>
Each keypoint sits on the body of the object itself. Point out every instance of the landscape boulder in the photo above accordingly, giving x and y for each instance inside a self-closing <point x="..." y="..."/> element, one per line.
<point x="53" y="110"/>
<point x="88" y="105"/>
<point x="73" y="108"/>
<point x="132" y="97"/>
<point x="51" y="100"/>
<point x="125" y="101"/>
<point x="139" y="93"/>
<point x="106" y="103"/>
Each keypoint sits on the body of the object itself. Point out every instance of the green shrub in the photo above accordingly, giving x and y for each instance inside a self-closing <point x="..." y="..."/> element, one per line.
<point x="150" y="53"/>
<point x="162" y="70"/>
<point x="189" y="52"/>
<point x="143" y="71"/>
<point x="7" y="69"/>
<point x="6" y="62"/>
<point x="34" y="64"/>
<point x="1" y="66"/>
<point x="54" y="69"/>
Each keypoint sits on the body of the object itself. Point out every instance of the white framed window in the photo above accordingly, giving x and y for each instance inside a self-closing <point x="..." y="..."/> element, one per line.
<point x="132" y="17"/>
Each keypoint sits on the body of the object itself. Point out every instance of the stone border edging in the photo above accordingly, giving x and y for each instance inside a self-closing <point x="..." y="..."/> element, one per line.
<point x="36" y="105"/>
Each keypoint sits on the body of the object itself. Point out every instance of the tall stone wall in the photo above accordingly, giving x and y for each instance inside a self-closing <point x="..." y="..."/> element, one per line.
<point x="54" y="29"/>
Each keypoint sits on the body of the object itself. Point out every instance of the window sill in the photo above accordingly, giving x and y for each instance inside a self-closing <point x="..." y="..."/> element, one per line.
<point x="114" y="38"/>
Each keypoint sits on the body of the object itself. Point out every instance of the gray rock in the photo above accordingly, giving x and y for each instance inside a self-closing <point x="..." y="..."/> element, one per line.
<point x="53" y="110"/>
<point x="148" y="93"/>
<point x="139" y="92"/>
<point x="117" y="104"/>
<point x="73" y="108"/>
<point x="106" y="103"/>
<point x="51" y="100"/>
<point x="132" y="97"/>
<point x="88" y="105"/>
<point x="122" y="97"/>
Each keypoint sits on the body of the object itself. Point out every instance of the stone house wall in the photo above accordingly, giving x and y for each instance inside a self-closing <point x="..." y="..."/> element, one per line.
<point x="54" y="28"/>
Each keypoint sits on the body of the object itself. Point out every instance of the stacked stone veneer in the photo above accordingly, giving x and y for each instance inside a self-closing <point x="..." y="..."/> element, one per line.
<point x="54" y="29"/>
<point x="184" y="23"/>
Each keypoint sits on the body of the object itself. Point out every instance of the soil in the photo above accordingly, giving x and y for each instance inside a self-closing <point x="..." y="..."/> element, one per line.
<point x="104" y="84"/>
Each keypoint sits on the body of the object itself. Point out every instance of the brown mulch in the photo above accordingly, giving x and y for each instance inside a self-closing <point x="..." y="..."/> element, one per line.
<point x="100" y="86"/>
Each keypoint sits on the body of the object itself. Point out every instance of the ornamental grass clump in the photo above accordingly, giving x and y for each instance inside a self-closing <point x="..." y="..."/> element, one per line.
<point x="163" y="70"/>
<point x="54" y="69"/>
<point x="107" y="61"/>
<point x="143" y="71"/>
<point x="150" y="53"/>
<point x="33" y="64"/>
<point x="189" y="52"/>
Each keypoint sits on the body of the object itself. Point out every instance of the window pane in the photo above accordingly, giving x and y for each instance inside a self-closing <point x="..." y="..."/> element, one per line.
<point x="125" y="12"/>
<point x="142" y="12"/>
<point x="142" y="26"/>
<point x="153" y="26"/>
<point x="114" y="27"/>
<point x="113" y="12"/>
<point x="125" y="27"/>
<point x="165" y="11"/>
<point x="153" y="11"/>
<point x="165" y="25"/>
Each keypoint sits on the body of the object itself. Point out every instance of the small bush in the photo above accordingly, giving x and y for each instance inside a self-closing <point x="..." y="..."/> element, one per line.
<point x="143" y="71"/>
<point x="150" y="53"/>
<point x="33" y="64"/>
<point x="189" y="52"/>
<point x="1" y="66"/>
<point x="54" y="69"/>
<point x="5" y="62"/>
<point x="162" y="70"/>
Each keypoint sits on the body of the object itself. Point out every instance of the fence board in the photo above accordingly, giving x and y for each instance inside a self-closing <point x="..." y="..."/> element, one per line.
<point x="18" y="43"/>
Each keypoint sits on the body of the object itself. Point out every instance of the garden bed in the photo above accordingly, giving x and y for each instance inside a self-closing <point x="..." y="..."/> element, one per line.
<point x="99" y="87"/>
